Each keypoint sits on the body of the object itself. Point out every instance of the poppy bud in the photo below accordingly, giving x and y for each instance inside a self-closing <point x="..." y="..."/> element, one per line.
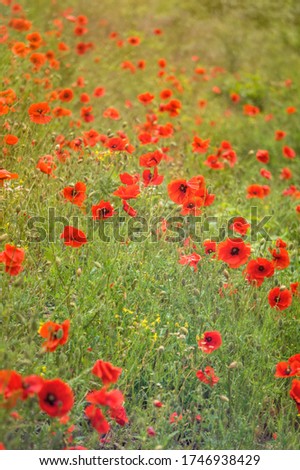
<point x="161" y="349"/>
<point x="224" y="398"/>
<point x="58" y="261"/>
<point x="3" y="237"/>
<point x="98" y="265"/>
<point x="196" y="292"/>
<point x="18" y="209"/>
<point x="226" y="273"/>
<point x="184" y="330"/>
<point x="233" y="365"/>
<point x="79" y="272"/>
<point x="282" y="287"/>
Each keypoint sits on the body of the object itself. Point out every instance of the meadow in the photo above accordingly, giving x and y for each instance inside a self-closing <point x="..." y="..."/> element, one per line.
<point x="150" y="210"/>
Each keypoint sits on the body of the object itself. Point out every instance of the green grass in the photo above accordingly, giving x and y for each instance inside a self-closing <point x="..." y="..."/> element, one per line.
<point x="131" y="303"/>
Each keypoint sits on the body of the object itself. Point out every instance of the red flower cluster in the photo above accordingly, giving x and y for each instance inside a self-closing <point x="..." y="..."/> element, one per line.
<point x="291" y="368"/>
<point x="105" y="398"/>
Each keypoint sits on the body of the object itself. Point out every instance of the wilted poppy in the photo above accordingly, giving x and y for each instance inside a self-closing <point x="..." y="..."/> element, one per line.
<point x="207" y="376"/>
<point x="106" y="372"/>
<point x="55" y="333"/>
<point x="73" y="237"/>
<point x="13" y="258"/>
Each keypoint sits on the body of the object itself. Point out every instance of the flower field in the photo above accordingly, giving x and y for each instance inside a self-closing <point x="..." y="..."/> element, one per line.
<point x="150" y="210"/>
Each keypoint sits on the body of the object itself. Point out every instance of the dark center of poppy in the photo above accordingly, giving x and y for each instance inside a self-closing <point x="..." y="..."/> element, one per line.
<point x="208" y="339"/>
<point x="191" y="205"/>
<point x="277" y="299"/>
<point x="209" y="251"/>
<point x="74" y="193"/>
<point x="102" y="212"/>
<point x="51" y="399"/>
<point x="183" y="188"/>
<point x="235" y="251"/>
<point x="261" y="268"/>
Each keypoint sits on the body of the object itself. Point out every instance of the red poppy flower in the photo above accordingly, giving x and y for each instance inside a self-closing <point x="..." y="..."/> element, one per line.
<point x="39" y="113"/>
<point x="258" y="269"/>
<point x="73" y="237"/>
<point x="208" y="376"/>
<point x="234" y="252"/>
<point x="210" y="341"/>
<point x="191" y="260"/>
<point x="31" y="385"/>
<point x="97" y="419"/>
<point x="251" y="110"/>
<point x="115" y="144"/>
<point x="46" y="164"/>
<point x="240" y="225"/>
<point x="151" y="159"/>
<point x="56" y="334"/>
<point x="288" y="369"/>
<point x="295" y="393"/>
<point x="99" y="91"/>
<point x="66" y="95"/>
<point x="266" y="174"/>
<point x="285" y="174"/>
<point x="178" y="191"/>
<point x="145" y="98"/>
<point x="200" y="145"/>
<point x="129" y="209"/>
<point x="134" y="40"/>
<point x="127" y="192"/>
<point x="128" y="179"/>
<point x="13" y="258"/>
<point x="103" y="397"/>
<point x="75" y="194"/>
<point x="263" y="156"/>
<point x="175" y="417"/>
<point x="106" y="372"/>
<point x="11" y="139"/>
<point x="212" y="161"/>
<point x="281" y="258"/>
<point x="10" y="388"/>
<point x="165" y="94"/>
<point x="209" y="247"/>
<point x="295" y="288"/>
<point x="119" y="415"/>
<point x="288" y="152"/>
<point x="279" y="135"/>
<point x="151" y="432"/>
<point x="235" y="98"/>
<point x="56" y="398"/>
<point x="152" y="179"/>
<point x="280" y="298"/>
<point x="102" y="210"/>
<point x="111" y="113"/>
<point x="191" y="206"/>
<point x="6" y="175"/>
<point x="256" y="190"/>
